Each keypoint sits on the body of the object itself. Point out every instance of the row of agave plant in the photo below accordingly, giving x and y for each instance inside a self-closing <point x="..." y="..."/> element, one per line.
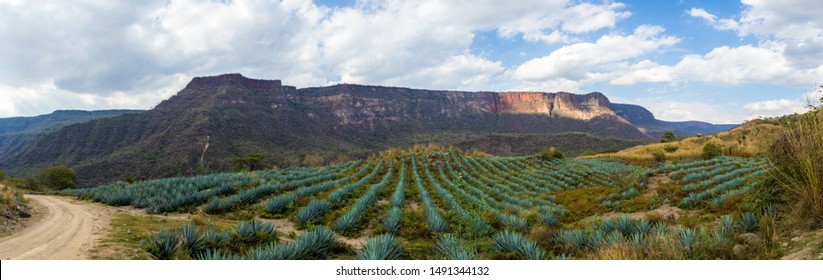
<point x="255" y="240"/>
<point x="258" y="240"/>
<point x="174" y="194"/>
<point x="277" y="182"/>
<point x="284" y="201"/>
<point x="714" y="181"/>
<point x="643" y="236"/>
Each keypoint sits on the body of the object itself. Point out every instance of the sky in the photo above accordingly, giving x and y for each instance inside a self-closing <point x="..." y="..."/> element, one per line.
<point x="715" y="61"/>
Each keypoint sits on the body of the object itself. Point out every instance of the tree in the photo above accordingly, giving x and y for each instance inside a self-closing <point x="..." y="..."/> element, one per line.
<point x="659" y="156"/>
<point x="549" y="154"/>
<point x="668" y="136"/>
<point x="2" y="174"/>
<point x="711" y="150"/>
<point x="58" y="177"/>
<point x="247" y="162"/>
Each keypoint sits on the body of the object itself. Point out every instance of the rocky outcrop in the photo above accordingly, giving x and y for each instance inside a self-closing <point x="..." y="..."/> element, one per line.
<point x="561" y="104"/>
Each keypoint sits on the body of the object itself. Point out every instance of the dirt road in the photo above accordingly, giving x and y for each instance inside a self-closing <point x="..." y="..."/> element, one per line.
<point x="66" y="230"/>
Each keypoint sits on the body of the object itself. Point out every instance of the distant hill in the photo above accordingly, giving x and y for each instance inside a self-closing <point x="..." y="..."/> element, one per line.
<point x="645" y="120"/>
<point x="215" y="119"/>
<point x="18" y="133"/>
<point x="750" y="139"/>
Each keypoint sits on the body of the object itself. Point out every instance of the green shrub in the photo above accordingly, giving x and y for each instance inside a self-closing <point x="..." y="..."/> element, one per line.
<point x="659" y="156"/>
<point x="668" y="137"/>
<point x="670" y="149"/>
<point x="711" y="150"/>
<point x="58" y="177"/>
<point x="549" y="154"/>
<point x="247" y="162"/>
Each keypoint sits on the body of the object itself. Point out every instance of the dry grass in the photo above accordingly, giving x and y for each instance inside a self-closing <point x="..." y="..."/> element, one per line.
<point x="10" y="196"/>
<point x="617" y="251"/>
<point x="748" y="140"/>
<point x="665" y="247"/>
<point x="582" y="202"/>
<point x="797" y="158"/>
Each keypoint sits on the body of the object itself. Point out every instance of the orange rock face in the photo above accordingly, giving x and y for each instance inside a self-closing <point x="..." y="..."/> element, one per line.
<point x="562" y="104"/>
<point x="524" y="103"/>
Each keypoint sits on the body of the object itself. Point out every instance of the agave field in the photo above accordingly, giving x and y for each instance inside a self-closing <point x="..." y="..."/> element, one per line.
<point x="443" y="204"/>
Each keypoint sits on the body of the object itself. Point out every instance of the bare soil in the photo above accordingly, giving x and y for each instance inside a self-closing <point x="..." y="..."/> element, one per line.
<point x="665" y="210"/>
<point x="806" y="246"/>
<point x="61" y="229"/>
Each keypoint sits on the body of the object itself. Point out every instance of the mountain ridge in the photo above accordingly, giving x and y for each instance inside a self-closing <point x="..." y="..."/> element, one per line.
<point x="214" y="119"/>
<point x="18" y="133"/>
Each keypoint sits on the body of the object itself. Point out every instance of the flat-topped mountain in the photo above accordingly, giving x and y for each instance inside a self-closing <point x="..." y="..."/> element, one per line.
<point x="215" y="119"/>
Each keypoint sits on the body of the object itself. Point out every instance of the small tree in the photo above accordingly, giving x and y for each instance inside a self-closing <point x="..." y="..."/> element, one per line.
<point x="2" y="174"/>
<point x="549" y="154"/>
<point x="659" y="156"/>
<point x="668" y="136"/>
<point x="58" y="177"/>
<point x="247" y="162"/>
<point x="670" y="148"/>
<point x="711" y="150"/>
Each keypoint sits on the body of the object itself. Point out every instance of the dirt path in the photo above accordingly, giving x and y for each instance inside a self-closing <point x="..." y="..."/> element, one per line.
<point x="66" y="229"/>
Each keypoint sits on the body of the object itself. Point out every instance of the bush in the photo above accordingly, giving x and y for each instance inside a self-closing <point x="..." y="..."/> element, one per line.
<point x="549" y="154"/>
<point x="711" y="150"/>
<point x="668" y="137"/>
<point x="58" y="178"/>
<point x="670" y="148"/>
<point x="2" y="174"/>
<point x="247" y="162"/>
<point x="659" y="156"/>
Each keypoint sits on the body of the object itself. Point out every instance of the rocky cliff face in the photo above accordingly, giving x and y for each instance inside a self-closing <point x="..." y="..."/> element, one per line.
<point x="214" y="119"/>
<point x="561" y="104"/>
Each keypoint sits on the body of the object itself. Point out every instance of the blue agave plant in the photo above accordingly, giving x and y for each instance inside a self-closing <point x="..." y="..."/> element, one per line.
<point x="382" y="247"/>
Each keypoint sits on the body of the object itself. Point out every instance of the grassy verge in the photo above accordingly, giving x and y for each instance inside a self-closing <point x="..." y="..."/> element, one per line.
<point x="127" y="231"/>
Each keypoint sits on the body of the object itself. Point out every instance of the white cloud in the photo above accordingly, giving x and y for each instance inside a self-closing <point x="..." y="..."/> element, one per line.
<point x="554" y="85"/>
<point x="789" y="19"/>
<point x="778" y="105"/>
<point x="587" y="17"/>
<point x="645" y="71"/>
<point x="701" y="13"/>
<point x="794" y="24"/>
<point x="467" y="72"/>
<point x="123" y="53"/>
<point x="602" y="60"/>
<point x="681" y="110"/>
<point x="745" y="64"/>
<point x="719" y="24"/>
